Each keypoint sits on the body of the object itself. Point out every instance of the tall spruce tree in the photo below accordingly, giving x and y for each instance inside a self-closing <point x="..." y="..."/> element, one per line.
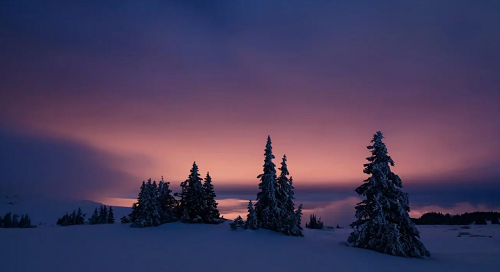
<point x="266" y="208"/>
<point x="194" y="197"/>
<point x="168" y="203"/>
<point x="285" y="197"/>
<point x="211" y="214"/>
<point x="251" y="222"/>
<point x="382" y="220"/>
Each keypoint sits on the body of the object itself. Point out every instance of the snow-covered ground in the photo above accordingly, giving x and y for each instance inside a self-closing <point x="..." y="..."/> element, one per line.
<point x="184" y="247"/>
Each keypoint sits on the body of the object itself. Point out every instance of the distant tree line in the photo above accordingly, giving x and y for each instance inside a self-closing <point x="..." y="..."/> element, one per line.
<point x="478" y="218"/>
<point x="14" y="221"/>
<point x="75" y="218"/>
<point x="103" y="215"/>
<point x="314" y="223"/>
<point x="274" y="209"/>
<point x="156" y="205"/>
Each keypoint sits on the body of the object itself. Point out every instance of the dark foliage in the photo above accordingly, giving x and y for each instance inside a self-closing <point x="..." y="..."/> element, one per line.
<point x="383" y="222"/>
<point x="111" y="216"/>
<point x="237" y="223"/>
<point x="481" y="221"/>
<point x="314" y="223"/>
<point x="101" y="216"/>
<point x="168" y="203"/>
<point x="75" y="218"/>
<point x="434" y="218"/>
<point x="13" y="221"/>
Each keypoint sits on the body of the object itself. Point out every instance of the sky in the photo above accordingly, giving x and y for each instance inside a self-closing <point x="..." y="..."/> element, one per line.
<point x="97" y="96"/>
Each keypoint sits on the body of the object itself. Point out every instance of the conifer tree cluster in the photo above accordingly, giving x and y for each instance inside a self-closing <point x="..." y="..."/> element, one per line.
<point x="13" y="221"/>
<point x="156" y="205"/>
<point x="275" y="209"/>
<point x="147" y="209"/>
<point x="314" y="223"/>
<point x="75" y="218"/>
<point x="197" y="199"/>
<point x="382" y="220"/>
<point x="102" y="216"/>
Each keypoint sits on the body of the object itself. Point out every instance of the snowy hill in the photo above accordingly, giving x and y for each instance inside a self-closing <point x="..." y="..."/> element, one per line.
<point x="195" y="247"/>
<point x="46" y="211"/>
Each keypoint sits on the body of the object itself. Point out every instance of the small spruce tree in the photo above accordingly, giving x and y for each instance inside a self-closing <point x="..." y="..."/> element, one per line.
<point x="124" y="220"/>
<point x="111" y="216"/>
<point x="7" y="220"/>
<point x="134" y="213"/>
<point x="80" y="217"/>
<point x="168" y="203"/>
<point x="251" y="222"/>
<point x="103" y="215"/>
<point x="382" y="220"/>
<point x="237" y="223"/>
<point x="211" y="214"/>
<point x="22" y="222"/>
<point x="94" y="219"/>
<point x="296" y="223"/>
<point x="15" y="221"/>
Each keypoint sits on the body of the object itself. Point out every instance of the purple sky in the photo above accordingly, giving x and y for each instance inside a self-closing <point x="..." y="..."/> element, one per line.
<point x="98" y="96"/>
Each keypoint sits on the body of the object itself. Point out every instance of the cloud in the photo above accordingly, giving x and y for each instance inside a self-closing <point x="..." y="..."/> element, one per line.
<point x="178" y="81"/>
<point x="33" y="165"/>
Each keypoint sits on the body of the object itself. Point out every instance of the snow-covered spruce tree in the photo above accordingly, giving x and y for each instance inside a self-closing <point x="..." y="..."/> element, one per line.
<point x="383" y="223"/>
<point x="282" y="195"/>
<point x="194" y="198"/>
<point x="168" y="203"/>
<point x="251" y="222"/>
<point x="148" y="206"/>
<point x="296" y="223"/>
<point x="285" y="196"/>
<point x="266" y="208"/>
<point x="182" y="195"/>
<point x="211" y="214"/>
<point x="134" y="214"/>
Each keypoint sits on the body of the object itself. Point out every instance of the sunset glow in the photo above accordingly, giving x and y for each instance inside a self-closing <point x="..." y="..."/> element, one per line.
<point x="147" y="91"/>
